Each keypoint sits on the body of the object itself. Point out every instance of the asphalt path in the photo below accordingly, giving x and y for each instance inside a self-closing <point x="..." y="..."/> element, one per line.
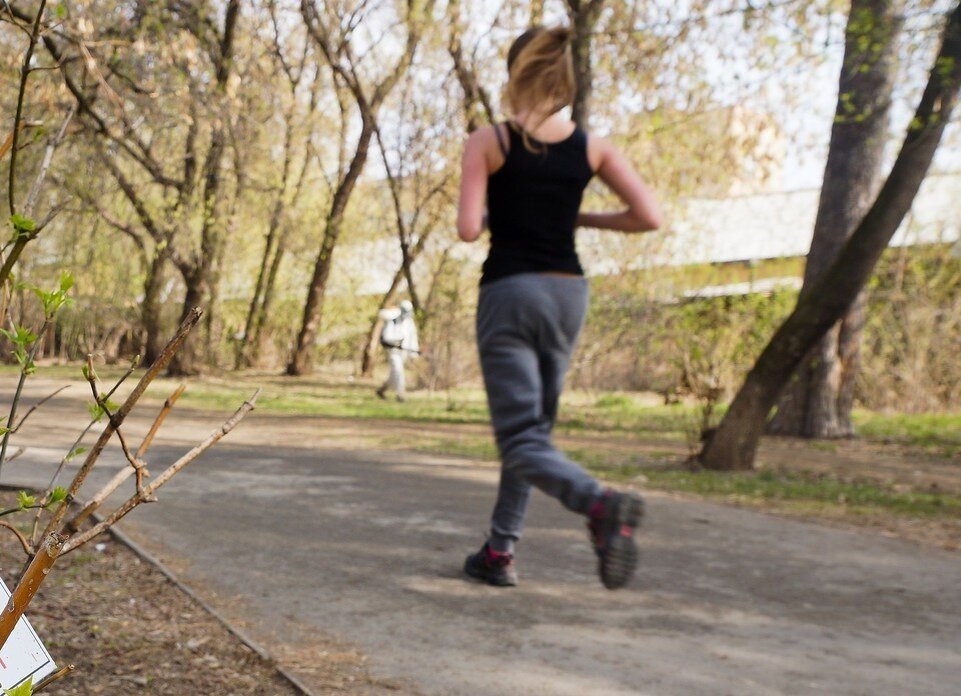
<point x="302" y="544"/>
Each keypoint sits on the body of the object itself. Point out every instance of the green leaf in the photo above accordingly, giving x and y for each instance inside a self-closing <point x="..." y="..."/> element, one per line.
<point x="61" y="11"/>
<point x="96" y="411"/>
<point x="58" y="494"/>
<point x="22" y="226"/>
<point x="25" y="500"/>
<point x="21" y="336"/>
<point x="75" y="453"/>
<point x="66" y="281"/>
<point x="25" y="689"/>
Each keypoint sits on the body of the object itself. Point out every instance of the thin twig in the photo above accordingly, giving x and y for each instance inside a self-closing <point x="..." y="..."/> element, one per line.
<point x="27" y="549"/>
<point x="47" y="159"/>
<point x="165" y="356"/>
<point x="158" y="421"/>
<point x="139" y="466"/>
<point x="56" y="475"/>
<point x="56" y="676"/>
<point x="24" y="73"/>
<point x="134" y="364"/>
<point x="36" y="406"/>
<point x="148" y="492"/>
<point x="16" y="397"/>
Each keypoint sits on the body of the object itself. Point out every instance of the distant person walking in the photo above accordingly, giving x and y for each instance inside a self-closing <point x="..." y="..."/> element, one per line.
<point x="399" y="337"/>
<point x="531" y="171"/>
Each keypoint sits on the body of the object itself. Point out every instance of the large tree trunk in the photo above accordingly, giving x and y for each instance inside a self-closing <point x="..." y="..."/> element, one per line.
<point x="734" y="444"/>
<point x="818" y="401"/>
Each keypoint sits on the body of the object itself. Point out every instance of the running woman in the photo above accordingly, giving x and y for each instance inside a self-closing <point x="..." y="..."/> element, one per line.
<point x="531" y="172"/>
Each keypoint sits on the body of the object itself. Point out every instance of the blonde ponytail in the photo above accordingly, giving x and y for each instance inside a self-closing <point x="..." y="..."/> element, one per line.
<point x="540" y="67"/>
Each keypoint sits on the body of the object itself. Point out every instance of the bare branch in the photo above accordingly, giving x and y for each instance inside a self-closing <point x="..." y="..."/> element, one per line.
<point x="148" y="492"/>
<point x="36" y="406"/>
<point x="27" y="549"/>
<point x="21" y="95"/>
<point x="126" y="471"/>
<point x="165" y="356"/>
<point x="56" y="676"/>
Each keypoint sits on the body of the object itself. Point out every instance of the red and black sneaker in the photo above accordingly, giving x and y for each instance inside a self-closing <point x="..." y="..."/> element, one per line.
<point x="613" y="520"/>
<point x="493" y="567"/>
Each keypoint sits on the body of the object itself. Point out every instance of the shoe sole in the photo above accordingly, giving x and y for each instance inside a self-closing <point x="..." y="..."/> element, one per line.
<point x="620" y="558"/>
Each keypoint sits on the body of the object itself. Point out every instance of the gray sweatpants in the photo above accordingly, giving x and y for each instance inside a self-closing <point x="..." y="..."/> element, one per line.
<point x="527" y="327"/>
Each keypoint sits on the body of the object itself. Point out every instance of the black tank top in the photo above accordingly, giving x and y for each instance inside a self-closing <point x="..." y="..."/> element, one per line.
<point x="532" y="206"/>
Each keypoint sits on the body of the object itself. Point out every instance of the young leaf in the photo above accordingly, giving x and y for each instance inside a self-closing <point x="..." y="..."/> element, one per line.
<point x="25" y="689"/>
<point x="26" y="500"/>
<point x="66" y="281"/>
<point x="75" y="453"/>
<point x="96" y="412"/>
<point x="22" y="226"/>
<point x="61" y="11"/>
<point x="57" y="495"/>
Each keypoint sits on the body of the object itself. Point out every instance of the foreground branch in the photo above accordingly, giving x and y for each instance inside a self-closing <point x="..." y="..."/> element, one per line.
<point x="27" y="587"/>
<point x="165" y="356"/>
<point x="148" y="491"/>
<point x="127" y="471"/>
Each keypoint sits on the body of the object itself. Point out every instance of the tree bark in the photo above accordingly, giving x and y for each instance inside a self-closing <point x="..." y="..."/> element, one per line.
<point x="583" y="16"/>
<point x="734" y="444"/>
<point x="187" y="362"/>
<point x="150" y="312"/>
<point x="818" y="401"/>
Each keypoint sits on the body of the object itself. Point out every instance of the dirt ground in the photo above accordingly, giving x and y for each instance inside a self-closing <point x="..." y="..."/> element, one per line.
<point x="129" y="630"/>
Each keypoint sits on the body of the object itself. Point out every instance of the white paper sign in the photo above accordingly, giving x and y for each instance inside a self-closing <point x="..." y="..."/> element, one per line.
<point x="23" y="655"/>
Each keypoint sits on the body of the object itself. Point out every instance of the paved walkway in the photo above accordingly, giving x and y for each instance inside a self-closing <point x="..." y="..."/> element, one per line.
<point x="303" y="544"/>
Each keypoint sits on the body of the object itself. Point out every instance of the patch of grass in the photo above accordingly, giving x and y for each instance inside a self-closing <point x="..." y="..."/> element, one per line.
<point x="939" y="433"/>
<point x="467" y="447"/>
<point x="765" y="486"/>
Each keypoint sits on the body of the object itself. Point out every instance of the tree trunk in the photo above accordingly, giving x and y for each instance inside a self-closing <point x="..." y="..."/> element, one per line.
<point x="259" y="334"/>
<point x="150" y="312"/>
<point x="301" y="362"/>
<point x="583" y="16"/>
<point x="818" y="401"/>
<point x="187" y="361"/>
<point x="734" y="444"/>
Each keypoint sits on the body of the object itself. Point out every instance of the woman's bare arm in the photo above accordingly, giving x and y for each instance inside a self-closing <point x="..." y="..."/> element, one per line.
<point x="473" y="186"/>
<point x="642" y="214"/>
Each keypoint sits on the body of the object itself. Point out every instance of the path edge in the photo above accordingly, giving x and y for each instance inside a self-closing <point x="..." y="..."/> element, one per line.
<point x="239" y="634"/>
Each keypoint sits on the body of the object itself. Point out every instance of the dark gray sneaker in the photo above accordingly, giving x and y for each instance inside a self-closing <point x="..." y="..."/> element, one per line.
<point x="613" y="520"/>
<point x="492" y="567"/>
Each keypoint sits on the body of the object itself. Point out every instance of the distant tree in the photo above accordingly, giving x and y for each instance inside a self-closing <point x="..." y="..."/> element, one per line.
<point x="733" y="445"/>
<point x="133" y="137"/>
<point x="332" y="30"/>
<point x="818" y="400"/>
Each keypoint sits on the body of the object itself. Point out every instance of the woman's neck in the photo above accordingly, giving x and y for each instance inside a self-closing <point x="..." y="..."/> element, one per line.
<point x="543" y="126"/>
